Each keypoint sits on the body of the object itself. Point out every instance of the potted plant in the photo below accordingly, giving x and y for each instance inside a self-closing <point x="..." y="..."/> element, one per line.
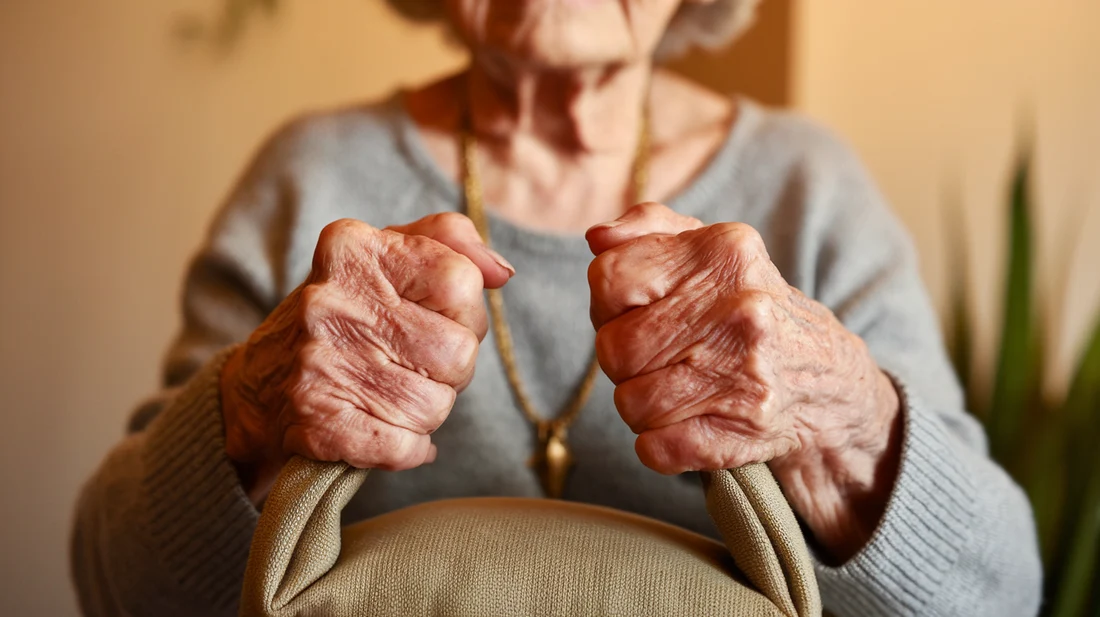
<point x="1051" y="447"/>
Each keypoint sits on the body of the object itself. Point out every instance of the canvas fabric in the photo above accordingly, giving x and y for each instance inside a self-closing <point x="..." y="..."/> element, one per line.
<point x="522" y="556"/>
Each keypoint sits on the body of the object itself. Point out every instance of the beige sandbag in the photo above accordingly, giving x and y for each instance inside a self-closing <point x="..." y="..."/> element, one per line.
<point x="511" y="556"/>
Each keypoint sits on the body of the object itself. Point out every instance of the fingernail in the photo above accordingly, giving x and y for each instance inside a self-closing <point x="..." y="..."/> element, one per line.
<point x="501" y="261"/>
<point x="607" y="225"/>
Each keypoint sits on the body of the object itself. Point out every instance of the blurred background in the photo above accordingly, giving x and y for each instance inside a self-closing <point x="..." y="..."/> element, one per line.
<point x="119" y="137"/>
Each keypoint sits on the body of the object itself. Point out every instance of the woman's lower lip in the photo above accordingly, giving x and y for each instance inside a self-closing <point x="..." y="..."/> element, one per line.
<point x="581" y="2"/>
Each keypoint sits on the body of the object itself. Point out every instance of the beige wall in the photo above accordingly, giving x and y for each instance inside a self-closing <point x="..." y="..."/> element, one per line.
<point x="116" y="144"/>
<point x="933" y="92"/>
<point x="758" y="65"/>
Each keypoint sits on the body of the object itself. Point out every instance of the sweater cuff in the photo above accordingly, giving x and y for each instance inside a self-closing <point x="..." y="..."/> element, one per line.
<point x="928" y="519"/>
<point x="201" y="520"/>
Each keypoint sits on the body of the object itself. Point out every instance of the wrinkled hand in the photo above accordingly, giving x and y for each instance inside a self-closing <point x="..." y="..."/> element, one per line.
<point x="364" y="360"/>
<point x="718" y="363"/>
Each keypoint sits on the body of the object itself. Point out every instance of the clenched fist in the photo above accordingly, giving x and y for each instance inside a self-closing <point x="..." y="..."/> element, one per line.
<point x="364" y="360"/>
<point x="718" y="363"/>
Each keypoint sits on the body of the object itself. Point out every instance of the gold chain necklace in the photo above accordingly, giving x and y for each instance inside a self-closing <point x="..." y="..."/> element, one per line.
<point x="552" y="460"/>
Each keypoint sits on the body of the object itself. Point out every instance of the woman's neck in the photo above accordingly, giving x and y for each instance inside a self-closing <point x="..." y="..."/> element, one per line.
<point x="560" y="142"/>
<point x="587" y="111"/>
<point x="556" y="149"/>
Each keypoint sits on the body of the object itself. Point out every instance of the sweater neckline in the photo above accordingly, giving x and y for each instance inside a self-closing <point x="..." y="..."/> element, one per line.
<point x="509" y="237"/>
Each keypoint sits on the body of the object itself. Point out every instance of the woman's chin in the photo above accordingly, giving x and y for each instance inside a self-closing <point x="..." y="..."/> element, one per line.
<point x="563" y="34"/>
<point x="570" y="49"/>
<point x="568" y="3"/>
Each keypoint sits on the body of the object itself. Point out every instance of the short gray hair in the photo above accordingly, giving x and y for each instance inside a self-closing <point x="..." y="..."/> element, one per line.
<point x="712" y="25"/>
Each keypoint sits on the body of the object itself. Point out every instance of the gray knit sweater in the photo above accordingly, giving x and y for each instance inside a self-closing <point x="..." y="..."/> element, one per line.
<point x="163" y="527"/>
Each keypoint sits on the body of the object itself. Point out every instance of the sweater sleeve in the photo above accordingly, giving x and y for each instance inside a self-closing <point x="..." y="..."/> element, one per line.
<point x="957" y="536"/>
<point x="163" y="527"/>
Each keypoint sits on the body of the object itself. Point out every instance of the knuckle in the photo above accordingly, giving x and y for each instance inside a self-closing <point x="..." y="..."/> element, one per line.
<point x="459" y="280"/>
<point x="647" y="208"/>
<point x="314" y="295"/>
<point x="300" y="401"/>
<point x="703" y="441"/>
<point x="748" y="413"/>
<point x="653" y="452"/>
<point x="465" y="347"/>
<point x="623" y="397"/>
<point x="629" y="410"/>
<point x="769" y="400"/>
<point x="740" y="238"/>
<point x="391" y="238"/>
<point x="608" y="353"/>
<point x="453" y="221"/>
<point x="333" y="241"/>
<point x="314" y="309"/>
<point x="418" y="405"/>
<point x="756" y="417"/>
<point x="339" y="231"/>
<point x="441" y="408"/>
<point x="751" y="236"/>
<point x="313" y="356"/>
<point x="605" y="348"/>
<point x="711" y="459"/>
<point x="314" y="440"/>
<point x="600" y="275"/>
<point x="462" y="273"/>
<point x="300" y="393"/>
<point x="754" y="312"/>
<point x="614" y="280"/>
<point x="399" y="449"/>
<point x="318" y="444"/>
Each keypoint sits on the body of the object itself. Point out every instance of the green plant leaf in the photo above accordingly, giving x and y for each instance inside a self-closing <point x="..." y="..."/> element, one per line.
<point x="960" y="340"/>
<point x="1083" y="397"/>
<point x="1080" y="416"/>
<point x="1014" y="382"/>
<point x="962" y="350"/>
<point x="1096" y="587"/>
<point x="1044" y="480"/>
<point x="1079" y="575"/>
<point x="1039" y="460"/>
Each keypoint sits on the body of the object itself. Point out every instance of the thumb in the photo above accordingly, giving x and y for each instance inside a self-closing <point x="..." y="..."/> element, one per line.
<point x="457" y="232"/>
<point x="641" y="220"/>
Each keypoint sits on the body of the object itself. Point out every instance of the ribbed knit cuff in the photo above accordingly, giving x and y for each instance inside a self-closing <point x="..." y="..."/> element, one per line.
<point x="201" y="521"/>
<point x="928" y="520"/>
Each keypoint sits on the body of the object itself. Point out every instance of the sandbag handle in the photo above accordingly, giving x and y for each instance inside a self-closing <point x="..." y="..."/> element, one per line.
<point x="301" y="522"/>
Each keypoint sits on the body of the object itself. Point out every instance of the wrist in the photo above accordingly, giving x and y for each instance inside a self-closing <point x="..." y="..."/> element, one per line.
<point x="840" y="481"/>
<point x="245" y="439"/>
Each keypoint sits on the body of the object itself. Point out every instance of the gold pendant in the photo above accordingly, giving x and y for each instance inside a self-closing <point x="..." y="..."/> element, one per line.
<point x="552" y="461"/>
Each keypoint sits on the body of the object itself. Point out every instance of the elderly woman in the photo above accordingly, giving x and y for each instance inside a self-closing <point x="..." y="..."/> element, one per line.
<point x="770" y="312"/>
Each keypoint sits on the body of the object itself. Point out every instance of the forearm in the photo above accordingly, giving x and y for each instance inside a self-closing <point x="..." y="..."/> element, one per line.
<point x="956" y="537"/>
<point x="163" y="527"/>
<point x="247" y="444"/>
<point x="848" y="428"/>
<point x="840" y="484"/>
<point x="909" y="519"/>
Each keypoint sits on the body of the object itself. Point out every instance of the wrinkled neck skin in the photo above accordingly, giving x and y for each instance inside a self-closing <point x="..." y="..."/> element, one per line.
<point x="582" y="112"/>
<point x="555" y="148"/>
